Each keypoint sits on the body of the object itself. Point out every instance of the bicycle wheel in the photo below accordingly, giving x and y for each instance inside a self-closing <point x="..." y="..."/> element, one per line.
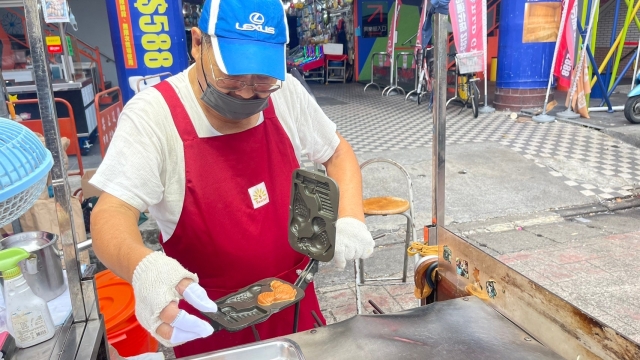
<point x="475" y="98"/>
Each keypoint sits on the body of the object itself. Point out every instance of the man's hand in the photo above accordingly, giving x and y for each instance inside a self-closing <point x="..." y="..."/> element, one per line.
<point x="159" y="282"/>
<point x="353" y="241"/>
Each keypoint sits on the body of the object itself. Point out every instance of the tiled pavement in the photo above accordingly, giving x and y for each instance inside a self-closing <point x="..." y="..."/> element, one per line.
<point x="373" y="123"/>
<point x="590" y="262"/>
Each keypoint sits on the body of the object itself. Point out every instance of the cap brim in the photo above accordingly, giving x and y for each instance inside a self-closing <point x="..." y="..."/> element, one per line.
<point x="248" y="57"/>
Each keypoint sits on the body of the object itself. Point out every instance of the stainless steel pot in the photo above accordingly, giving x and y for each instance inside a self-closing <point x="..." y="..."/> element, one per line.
<point x="46" y="278"/>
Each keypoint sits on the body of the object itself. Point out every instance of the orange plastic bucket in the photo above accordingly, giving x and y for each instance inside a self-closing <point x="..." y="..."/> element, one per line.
<point x="117" y="305"/>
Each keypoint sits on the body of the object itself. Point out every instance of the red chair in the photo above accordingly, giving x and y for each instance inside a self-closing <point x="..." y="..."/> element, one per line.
<point x="108" y="118"/>
<point x="67" y="129"/>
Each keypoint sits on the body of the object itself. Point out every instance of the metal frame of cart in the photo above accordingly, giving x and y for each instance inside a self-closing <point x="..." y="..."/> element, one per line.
<point x="83" y="335"/>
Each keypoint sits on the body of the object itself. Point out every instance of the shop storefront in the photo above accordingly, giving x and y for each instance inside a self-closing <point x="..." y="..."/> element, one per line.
<point x="75" y="67"/>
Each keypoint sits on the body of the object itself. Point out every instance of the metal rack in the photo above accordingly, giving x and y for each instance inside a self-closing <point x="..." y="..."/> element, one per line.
<point x="383" y="55"/>
<point x="83" y="334"/>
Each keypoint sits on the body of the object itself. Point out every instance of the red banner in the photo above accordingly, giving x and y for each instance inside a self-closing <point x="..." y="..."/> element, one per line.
<point x="466" y="21"/>
<point x="423" y="16"/>
<point x="567" y="46"/>
<point x="391" y="42"/>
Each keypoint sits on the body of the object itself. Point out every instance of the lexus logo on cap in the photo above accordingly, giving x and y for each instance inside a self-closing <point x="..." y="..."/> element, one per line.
<point x="256" y="20"/>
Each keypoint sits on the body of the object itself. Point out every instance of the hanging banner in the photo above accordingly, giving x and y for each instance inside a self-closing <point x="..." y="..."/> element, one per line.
<point x="393" y="34"/>
<point x="55" y="11"/>
<point x="583" y="88"/>
<point x="567" y="46"/>
<point x="466" y="22"/>
<point x="423" y="16"/>
<point x="149" y="38"/>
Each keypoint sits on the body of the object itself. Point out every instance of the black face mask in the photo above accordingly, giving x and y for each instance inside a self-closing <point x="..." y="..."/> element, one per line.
<point x="228" y="106"/>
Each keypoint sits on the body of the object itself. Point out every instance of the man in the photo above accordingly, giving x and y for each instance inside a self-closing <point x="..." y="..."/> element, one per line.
<point x="194" y="150"/>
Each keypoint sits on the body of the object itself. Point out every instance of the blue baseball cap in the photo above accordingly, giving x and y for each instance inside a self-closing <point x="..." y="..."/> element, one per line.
<point x="249" y="37"/>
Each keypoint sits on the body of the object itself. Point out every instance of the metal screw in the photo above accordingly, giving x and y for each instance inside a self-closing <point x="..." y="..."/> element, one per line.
<point x="314" y="331"/>
<point x="298" y="271"/>
<point x="465" y="299"/>
<point x="527" y="339"/>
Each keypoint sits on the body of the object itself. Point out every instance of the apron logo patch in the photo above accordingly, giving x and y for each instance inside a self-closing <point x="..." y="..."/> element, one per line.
<point x="259" y="195"/>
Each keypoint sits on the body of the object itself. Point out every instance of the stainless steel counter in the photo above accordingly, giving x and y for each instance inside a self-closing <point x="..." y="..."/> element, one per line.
<point x="77" y="85"/>
<point x="454" y="329"/>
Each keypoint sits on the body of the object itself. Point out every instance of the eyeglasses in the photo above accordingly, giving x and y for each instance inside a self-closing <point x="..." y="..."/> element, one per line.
<point x="235" y="85"/>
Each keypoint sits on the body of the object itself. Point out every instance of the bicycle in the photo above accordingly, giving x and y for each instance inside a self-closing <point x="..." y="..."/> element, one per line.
<point x="466" y="90"/>
<point x="425" y="82"/>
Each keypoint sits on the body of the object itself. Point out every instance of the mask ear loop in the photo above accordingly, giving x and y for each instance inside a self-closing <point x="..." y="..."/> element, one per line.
<point x="202" y="66"/>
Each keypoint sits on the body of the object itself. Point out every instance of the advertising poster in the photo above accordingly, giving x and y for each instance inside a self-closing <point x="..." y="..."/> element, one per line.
<point x="55" y="11"/>
<point x="374" y="19"/>
<point x="149" y="38"/>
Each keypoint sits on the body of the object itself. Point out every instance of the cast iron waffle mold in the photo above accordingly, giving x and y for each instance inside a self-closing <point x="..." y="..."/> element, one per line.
<point x="313" y="213"/>
<point x="241" y="309"/>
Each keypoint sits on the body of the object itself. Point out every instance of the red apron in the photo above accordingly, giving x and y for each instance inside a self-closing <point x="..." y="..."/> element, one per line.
<point x="221" y="236"/>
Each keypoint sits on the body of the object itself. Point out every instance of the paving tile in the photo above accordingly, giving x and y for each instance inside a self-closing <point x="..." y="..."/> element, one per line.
<point x="622" y="266"/>
<point x="397" y="290"/>
<point x="344" y="312"/>
<point x="407" y="301"/>
<point x="567" y="231"/>
<point x="537" y="277"/>
<point x="328" y="289"/>
<point x="572" y="255"/>
<point x="512" y="241"/>
<point x="335" y="299"/>
<point x="329" y="317"/>
<point x="380" y="296"/>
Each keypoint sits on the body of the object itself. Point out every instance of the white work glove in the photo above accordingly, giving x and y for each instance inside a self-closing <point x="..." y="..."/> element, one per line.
<point x="353" y="241"/>
<point x="154" y="284"/>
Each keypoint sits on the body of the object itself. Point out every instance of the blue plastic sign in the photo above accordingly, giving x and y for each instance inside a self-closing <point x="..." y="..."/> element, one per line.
<point x="149" y="38"/>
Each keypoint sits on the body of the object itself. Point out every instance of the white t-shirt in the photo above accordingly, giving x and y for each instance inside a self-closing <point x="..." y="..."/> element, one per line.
<point x="145" y="166"/>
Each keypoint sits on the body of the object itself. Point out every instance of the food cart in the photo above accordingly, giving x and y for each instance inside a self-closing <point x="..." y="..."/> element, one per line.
<point x="517" y="319"/>
<point x="73" y="80"/>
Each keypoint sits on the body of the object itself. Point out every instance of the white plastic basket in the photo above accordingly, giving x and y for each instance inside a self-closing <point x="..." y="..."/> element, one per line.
<point x="332" y="49"/>
<point x="470" y="62"/>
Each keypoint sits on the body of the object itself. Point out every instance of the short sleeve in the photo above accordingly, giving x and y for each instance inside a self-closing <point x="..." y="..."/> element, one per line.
<point x="317" y="133"/>
<point x="133" y="165"/>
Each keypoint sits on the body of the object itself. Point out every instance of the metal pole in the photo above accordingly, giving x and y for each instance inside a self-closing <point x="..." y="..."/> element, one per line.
<point x="544" y="118"/>
<point x="635" y="67"/>
<point x="65" y="53"/>
<point x="439" y="121"/>
<point x="359" y="277"/>
<point x="486" y="109"/>
<point x="614" y="30"/>
<point x="4" y="111"/>
<point x="583" y="52"/>
<point x="16" y="226"/>
<point x="51" y="134"/>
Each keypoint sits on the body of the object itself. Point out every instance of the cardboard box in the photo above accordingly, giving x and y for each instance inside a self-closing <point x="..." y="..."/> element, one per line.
<point x="89" y="190"/>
